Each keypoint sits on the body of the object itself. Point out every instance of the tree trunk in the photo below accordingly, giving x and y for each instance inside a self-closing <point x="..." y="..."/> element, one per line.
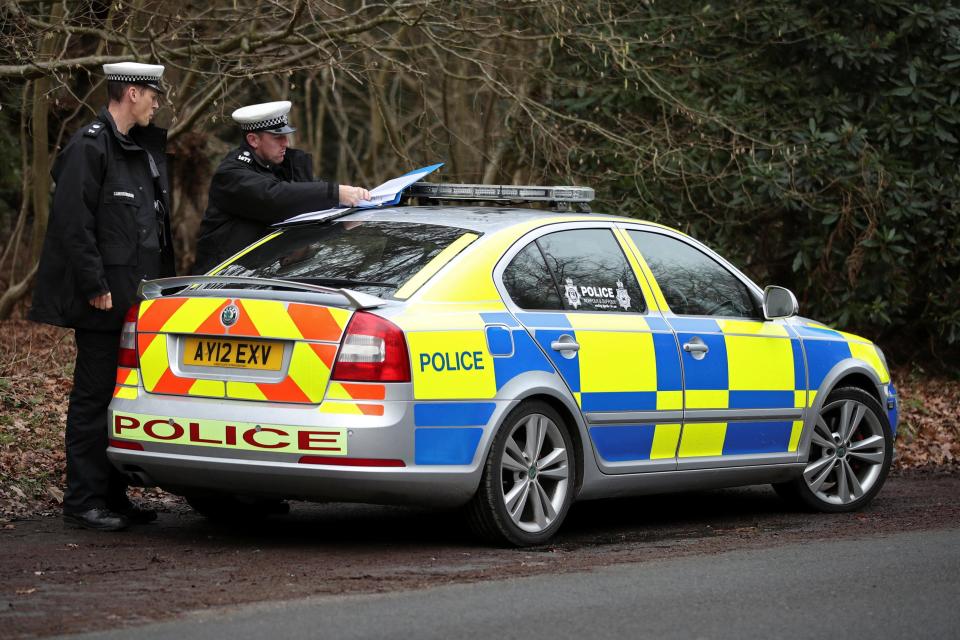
<point x="40" y="171"/>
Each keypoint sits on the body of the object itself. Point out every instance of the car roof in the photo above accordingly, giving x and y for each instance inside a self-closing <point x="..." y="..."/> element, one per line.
<point x="476" y="218"/>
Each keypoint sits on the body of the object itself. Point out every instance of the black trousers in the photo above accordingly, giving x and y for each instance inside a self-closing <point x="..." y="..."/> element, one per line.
<point x="92" y="482"/>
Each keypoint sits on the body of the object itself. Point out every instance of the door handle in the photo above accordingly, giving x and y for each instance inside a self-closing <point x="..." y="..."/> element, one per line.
<point x="566" y="345"/>
<point x="697" y="348"/>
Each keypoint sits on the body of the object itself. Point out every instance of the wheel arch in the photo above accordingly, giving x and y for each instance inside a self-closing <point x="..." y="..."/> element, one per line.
<point x="564" y="405"/>
<point x="570" y="418"/>
<point x="846" y="373"/>
<point x="860" y="381"/>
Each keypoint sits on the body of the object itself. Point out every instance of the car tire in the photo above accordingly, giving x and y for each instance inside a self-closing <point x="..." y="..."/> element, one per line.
<point x="528" y="478"/>
<point x="851" y="450"/>
<point x="224" y="508"/>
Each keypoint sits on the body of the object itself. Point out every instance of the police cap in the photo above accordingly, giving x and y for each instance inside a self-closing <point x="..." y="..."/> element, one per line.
<point x="270" y="117"/>
<point x="147" y="75"/>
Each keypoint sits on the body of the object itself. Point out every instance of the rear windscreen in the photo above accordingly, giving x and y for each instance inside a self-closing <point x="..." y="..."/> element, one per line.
<point x="372" y="257"/>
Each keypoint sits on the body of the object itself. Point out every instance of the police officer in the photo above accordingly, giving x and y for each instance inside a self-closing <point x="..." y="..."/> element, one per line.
<point x="262" y="182"/>
<point x="109" y="229"/>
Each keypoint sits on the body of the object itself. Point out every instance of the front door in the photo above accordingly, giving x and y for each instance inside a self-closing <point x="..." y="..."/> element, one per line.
<point x="744" y="377"/>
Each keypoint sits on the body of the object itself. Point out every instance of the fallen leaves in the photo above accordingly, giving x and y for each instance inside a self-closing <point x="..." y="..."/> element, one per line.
<point x="929" y="432"/>
<point x="36" y="366"/>
<point x="56" y="493"/>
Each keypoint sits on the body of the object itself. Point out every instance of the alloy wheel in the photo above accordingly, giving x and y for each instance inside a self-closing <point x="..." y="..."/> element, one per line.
<point x="847" y="452"/>
<point x="534" y="473"/>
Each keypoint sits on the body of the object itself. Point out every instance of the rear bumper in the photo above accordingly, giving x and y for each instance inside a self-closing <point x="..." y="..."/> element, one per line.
<point x="440" y="465"/>
<point x="196" y="473"/>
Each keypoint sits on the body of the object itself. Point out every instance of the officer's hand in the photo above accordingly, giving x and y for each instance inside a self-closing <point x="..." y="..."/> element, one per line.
<point x="350" y="196"/>
<point x="103" y="302"/>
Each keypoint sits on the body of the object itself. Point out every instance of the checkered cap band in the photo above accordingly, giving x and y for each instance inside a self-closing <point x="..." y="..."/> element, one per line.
<point x="121" y="78"/>
<point x="271" y="123"/>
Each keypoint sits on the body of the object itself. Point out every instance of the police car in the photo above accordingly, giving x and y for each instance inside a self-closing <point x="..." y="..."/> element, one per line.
<point x="510" y="360"/>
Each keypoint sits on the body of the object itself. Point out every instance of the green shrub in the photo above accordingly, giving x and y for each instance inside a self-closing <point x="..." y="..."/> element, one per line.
<point x="815" y="144"/>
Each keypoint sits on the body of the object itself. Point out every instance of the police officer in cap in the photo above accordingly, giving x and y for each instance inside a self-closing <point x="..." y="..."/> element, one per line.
<point x="108" y="230"/>
<point x="262" y="182"/>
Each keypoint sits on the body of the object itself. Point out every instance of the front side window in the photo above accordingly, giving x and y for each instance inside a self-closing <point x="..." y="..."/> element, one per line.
<point x="692" y="282"/>
<point x="371" y="257"/>
<point x="588" y="272"/>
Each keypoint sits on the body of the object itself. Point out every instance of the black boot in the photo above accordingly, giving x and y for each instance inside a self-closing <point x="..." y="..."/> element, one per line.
<point x="134" y="513"/>
<point x="97" y="519"/>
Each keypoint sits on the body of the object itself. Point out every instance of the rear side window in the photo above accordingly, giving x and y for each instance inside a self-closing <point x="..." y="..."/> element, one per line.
<point x="587" y="272"/>
<point x="529" y="283"/>
<point x="371" y="257"/>
<point x="692" y="282"/>
<point x="591" y="271"/>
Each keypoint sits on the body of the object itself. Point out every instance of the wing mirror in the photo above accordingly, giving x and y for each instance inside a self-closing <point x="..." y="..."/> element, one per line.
<point x="779" y="303"/>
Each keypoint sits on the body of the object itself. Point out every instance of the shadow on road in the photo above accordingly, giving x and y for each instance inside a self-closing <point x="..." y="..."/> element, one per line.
<point x="372" y="527"/>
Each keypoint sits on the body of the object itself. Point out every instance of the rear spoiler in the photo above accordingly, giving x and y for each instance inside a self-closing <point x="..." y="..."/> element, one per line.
<point x="150" y="289"/>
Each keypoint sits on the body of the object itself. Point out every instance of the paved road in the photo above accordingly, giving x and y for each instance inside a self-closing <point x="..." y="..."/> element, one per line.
<point x="880" y="587"/>
<point x="57" y="581"/>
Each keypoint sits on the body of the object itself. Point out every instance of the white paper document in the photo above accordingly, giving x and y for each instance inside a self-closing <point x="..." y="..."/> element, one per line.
<point x="386" y="194"/>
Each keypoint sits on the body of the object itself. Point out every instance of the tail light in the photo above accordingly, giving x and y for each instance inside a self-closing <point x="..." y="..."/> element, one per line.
<point x="123" y="444"/>
<point x="351" y="462"/>
<point x="373" y="350"/>
<point x="128" y="339"/>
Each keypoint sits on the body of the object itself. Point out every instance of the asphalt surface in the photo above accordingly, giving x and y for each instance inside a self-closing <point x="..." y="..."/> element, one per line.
<point x="886" y="587"/>
<point x="710" y="560"/>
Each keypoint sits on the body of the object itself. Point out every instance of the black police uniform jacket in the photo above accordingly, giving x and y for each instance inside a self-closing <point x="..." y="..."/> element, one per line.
<point x="247" y="196"/>
<point x="104" y="233"/>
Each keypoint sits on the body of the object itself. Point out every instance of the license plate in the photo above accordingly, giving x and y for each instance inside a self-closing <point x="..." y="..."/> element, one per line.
<point x="237" y="354"/>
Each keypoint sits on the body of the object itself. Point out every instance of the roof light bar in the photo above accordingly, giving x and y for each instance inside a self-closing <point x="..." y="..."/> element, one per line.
<point x="561" y="197"/>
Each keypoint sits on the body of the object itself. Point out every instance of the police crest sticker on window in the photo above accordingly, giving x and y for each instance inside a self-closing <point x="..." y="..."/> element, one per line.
<point x="623" y="297"/>
<point x="572" y="293"/>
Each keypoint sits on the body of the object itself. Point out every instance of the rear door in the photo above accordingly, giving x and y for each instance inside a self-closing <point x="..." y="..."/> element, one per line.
<point x="577" y="294"/>
<point x="744" y="377"/>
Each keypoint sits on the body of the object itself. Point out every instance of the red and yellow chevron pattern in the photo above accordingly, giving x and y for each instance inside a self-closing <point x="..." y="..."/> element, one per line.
<point x="128" y="380"/>
<point x="315" y="332"/>
<point x="341" y="397"/>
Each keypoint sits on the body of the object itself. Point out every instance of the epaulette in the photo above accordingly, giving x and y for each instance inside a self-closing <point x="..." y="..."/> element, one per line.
<point x="94" y="128"/>
<point x="244" y="156"/>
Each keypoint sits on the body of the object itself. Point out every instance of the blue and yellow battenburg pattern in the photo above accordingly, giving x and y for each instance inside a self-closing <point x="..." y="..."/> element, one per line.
<point x="825" y="347"/>
<point x="454" y="380"/>
<point x="750" y="365"/>
<point x="448" y="433"/>
<point x="626" y="363"/>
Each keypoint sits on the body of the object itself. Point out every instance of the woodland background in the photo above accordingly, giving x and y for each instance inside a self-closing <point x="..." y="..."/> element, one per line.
<point x="814" y="144"/>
